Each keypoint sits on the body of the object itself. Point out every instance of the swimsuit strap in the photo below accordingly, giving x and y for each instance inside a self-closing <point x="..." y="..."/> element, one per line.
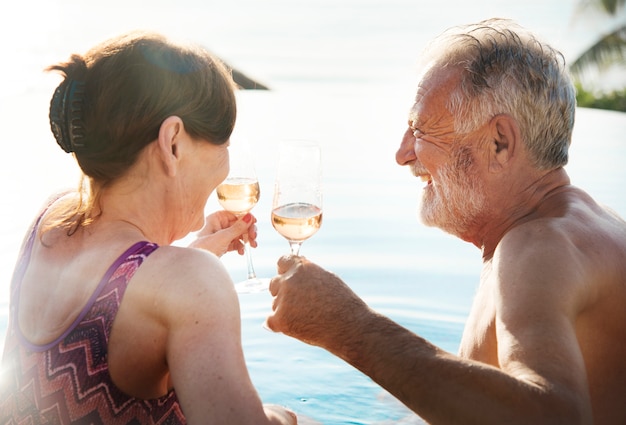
<point x="123" y="267"/>
<point x="136" y="251"/>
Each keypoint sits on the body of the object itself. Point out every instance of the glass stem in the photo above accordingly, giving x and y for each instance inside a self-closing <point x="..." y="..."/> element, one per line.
<point x="251" y="272"/>
<point x="295" y="248"/>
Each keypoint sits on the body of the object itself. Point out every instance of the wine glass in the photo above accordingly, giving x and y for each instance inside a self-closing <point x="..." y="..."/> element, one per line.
<point x="239" y="193"/>
<point x="297" y="203"/>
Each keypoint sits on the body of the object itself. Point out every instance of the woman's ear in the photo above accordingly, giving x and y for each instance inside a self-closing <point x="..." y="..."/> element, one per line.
<point x="506" y="136"/>
<point x="170" y="133"/>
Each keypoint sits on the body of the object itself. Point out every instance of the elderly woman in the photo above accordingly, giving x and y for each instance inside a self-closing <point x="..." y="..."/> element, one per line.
<point x="109" y="323"/>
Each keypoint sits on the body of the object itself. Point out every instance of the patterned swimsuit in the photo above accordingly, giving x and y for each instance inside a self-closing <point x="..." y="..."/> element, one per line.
<point x="67" y="381"/>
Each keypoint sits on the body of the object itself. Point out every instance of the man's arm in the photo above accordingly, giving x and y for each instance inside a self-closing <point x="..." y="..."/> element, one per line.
<point x="531" y="387"/>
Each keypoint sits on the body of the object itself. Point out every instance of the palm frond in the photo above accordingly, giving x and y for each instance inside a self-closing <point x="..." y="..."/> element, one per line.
<point x="612" y="6"/>
<point x="609" y="50"/>
<point x="598" y="8"/>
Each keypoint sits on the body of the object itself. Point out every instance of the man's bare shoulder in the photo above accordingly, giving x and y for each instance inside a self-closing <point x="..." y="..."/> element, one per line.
<point x="574" y="248"/>
<point x="572" y="221"/>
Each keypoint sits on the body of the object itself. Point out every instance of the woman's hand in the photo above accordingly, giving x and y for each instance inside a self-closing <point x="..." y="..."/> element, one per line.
<point x="223" y="232"/>
<point x="279" y="414"/>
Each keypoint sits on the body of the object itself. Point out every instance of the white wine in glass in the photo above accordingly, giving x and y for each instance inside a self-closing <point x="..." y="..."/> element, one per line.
<point x="297" y="204"/>
<point x="239" y="193"/>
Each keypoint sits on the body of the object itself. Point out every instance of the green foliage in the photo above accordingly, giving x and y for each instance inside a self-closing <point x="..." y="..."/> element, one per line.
<point x="607" y="52"/>
<point x="612" y="6"/>
<point x="614" y="101"/>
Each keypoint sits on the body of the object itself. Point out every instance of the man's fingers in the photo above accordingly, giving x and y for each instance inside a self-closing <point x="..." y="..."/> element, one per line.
<point x="274" y="286"/>
<point x="288" y="261"/>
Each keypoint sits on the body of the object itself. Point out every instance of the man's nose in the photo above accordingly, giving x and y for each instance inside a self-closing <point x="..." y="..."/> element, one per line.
<point x="406" y="153"/>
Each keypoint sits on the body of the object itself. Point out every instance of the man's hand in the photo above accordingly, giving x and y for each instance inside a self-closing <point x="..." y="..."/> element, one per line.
<point x="310" y="303"/>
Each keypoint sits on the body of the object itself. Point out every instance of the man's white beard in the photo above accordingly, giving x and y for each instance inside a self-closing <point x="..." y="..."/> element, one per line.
<point x="456" y="201"/>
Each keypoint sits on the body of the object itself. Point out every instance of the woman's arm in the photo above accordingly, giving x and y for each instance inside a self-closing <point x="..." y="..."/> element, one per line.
<point x="198" y="309"/>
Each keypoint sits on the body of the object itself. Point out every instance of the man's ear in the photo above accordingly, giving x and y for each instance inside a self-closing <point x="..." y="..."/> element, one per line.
<point x="506" y="136"/>
<point x="168" y="141"/>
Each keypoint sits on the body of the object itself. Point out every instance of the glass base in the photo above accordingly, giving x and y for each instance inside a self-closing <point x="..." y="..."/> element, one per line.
<point x="250" y="286"/>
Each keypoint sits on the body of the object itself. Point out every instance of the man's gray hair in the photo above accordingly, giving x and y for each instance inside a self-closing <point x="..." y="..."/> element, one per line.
<point x="507" y="70"/>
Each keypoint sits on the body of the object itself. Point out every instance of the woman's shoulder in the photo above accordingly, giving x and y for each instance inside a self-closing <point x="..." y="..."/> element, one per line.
<point x="176" y="286"/>
<point x="189" y="260"/>
<point x="185" y="272"/>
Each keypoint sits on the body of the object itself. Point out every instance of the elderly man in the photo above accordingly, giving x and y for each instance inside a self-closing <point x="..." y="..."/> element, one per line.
<point x="545" y="341"/>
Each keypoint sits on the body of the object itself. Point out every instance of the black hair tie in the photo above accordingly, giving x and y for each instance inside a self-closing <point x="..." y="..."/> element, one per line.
<point x="66" y="115"/>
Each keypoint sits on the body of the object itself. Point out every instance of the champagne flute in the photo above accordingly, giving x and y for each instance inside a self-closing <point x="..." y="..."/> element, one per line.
<point x="239" y="193"/>
<point x="297" y="203"/>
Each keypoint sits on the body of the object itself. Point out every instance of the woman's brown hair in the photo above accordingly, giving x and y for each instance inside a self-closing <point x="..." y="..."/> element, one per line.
<point x="114" y="98"/>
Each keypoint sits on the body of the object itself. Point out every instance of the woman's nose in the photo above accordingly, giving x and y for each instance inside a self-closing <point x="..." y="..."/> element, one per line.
<point x="406" y="153"/>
